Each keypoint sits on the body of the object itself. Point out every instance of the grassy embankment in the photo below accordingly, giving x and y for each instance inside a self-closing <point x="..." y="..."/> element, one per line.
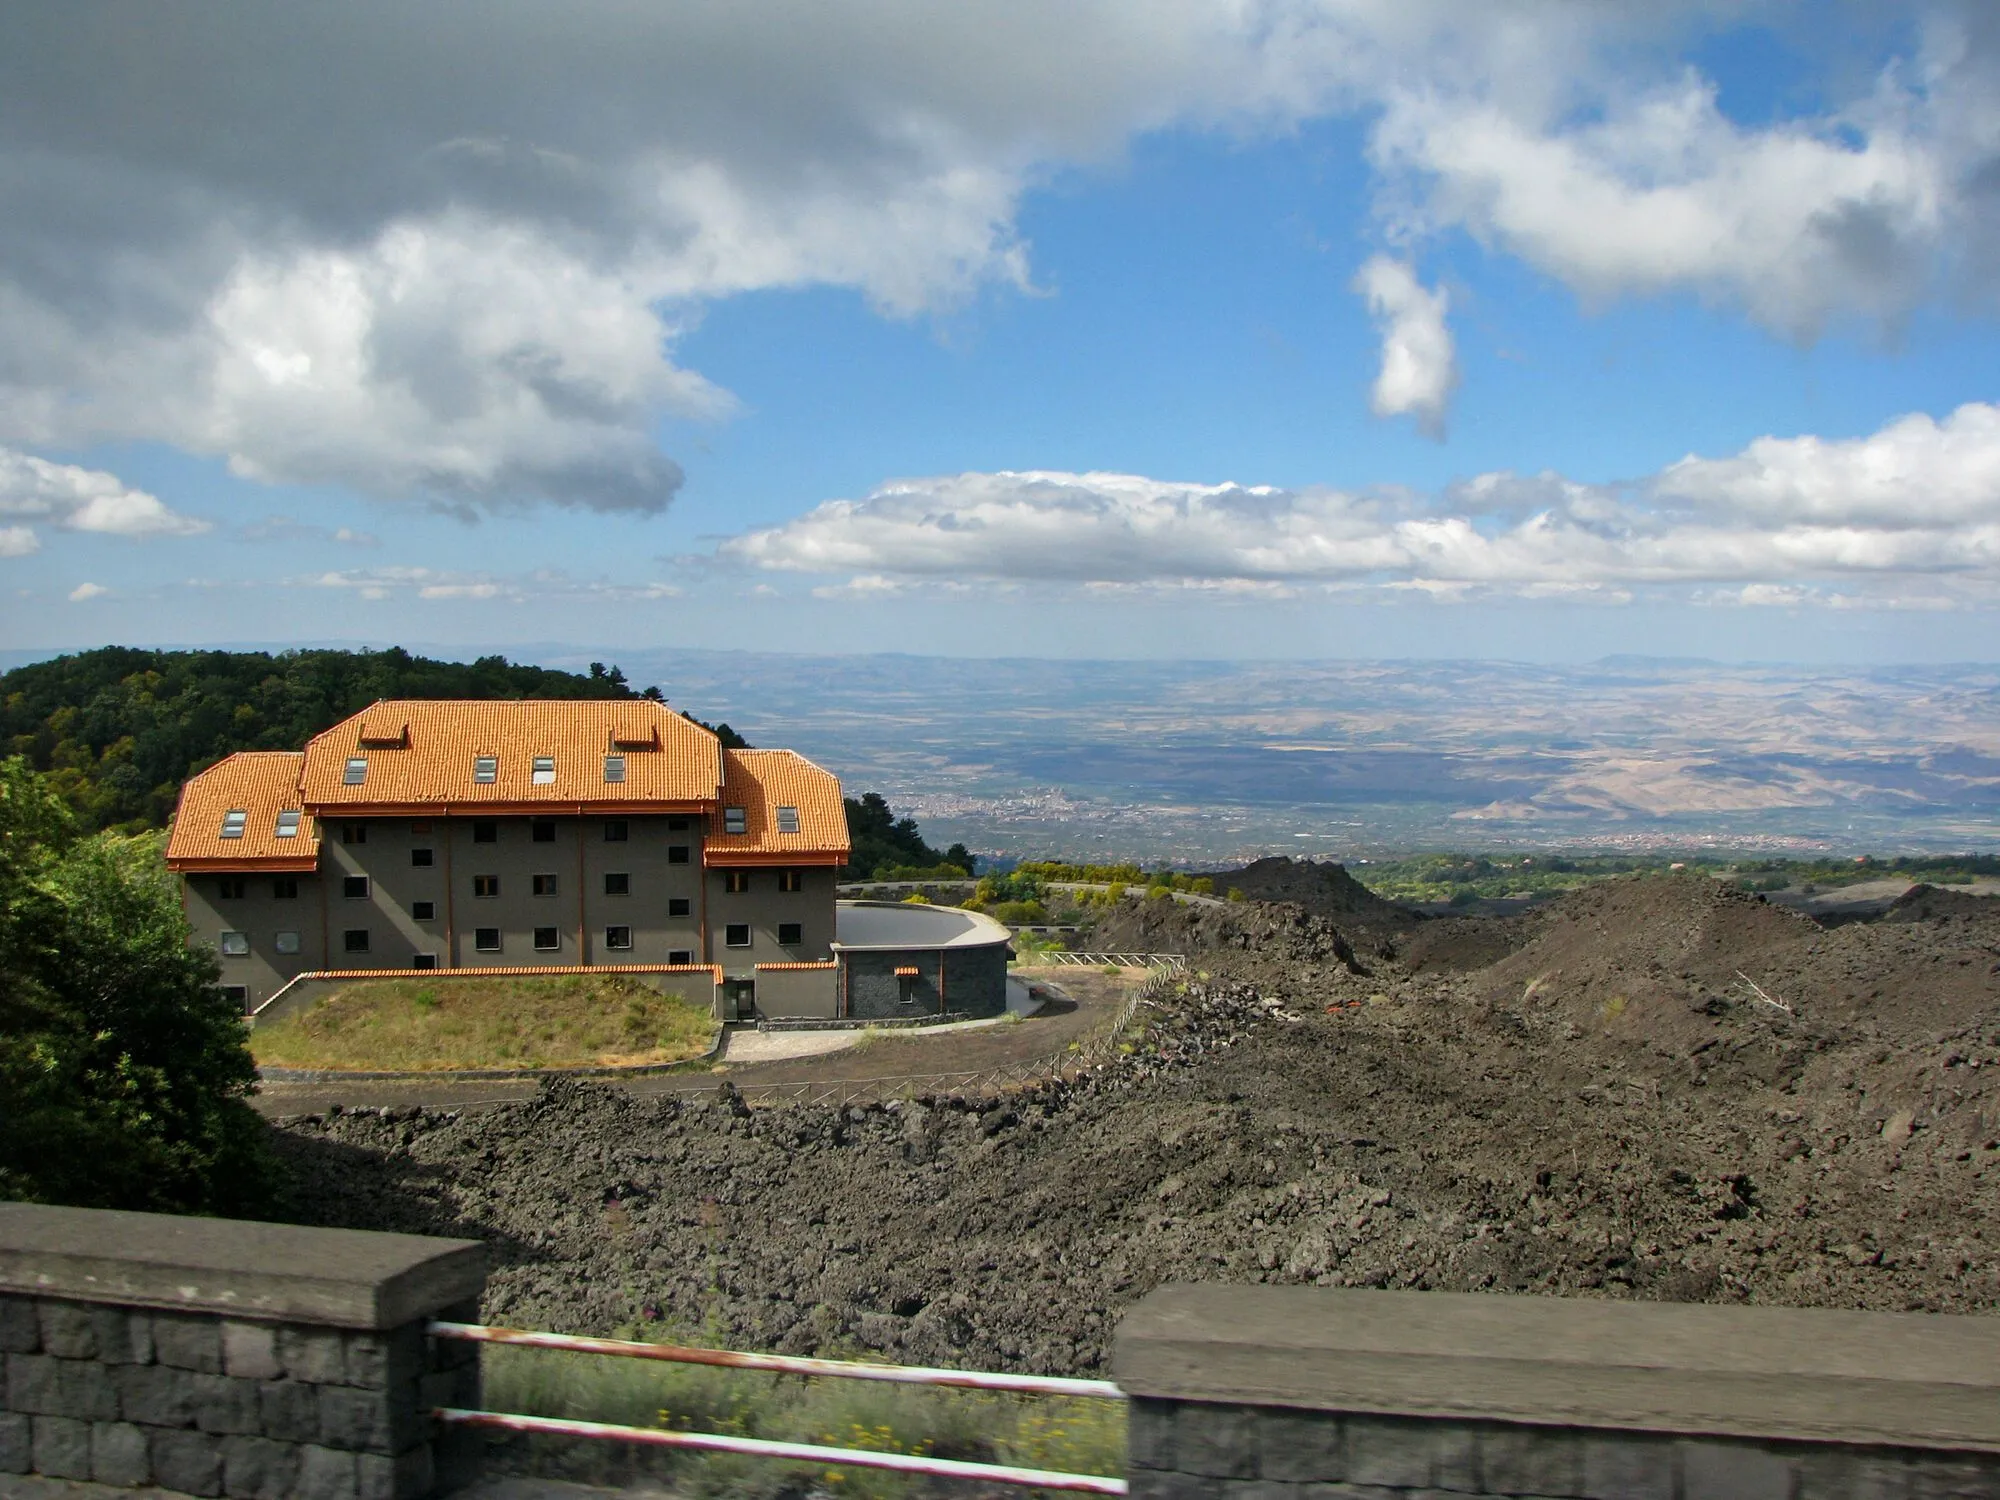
<point x="417" y="1025"/>
<point x="1072" y="1435"/>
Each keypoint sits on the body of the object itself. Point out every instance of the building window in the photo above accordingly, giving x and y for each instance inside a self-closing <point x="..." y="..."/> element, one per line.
<point x="791" y="934"/>
<point x="354" y="940"/>
<point x="285" y="942"/>
<point x="736" y="935"/>
<point x="616" y="831"/>
<point x="735" y="820"/>
<point x="618" y="938"/>
<point x="486" y="939"/>
<point x="680" y="958"/>
<point x="485" y="769"/>
<point x="354" y="887"/>
<point x="234" y="821"/>
<point x="230" y="888"/>
<point x="288" y="823"/>
<point x="423" y="911"/>
<point x="788" y="819"/>
<point x="238" y="995"/>
<point x="679" y="906"/>
<point x="791" y="880"/>
<point x="543" y="885"/>
<point x="543" y="772"/>
<point x="356" y="772"/>
<point x="618" y="883"/>
<point x="423" y="859"/>
<point x="677" y="854"/>
<point x="485" y="885"/>
<point x="354" y="833"/>
<point x="614" y="768"/>
<point x="423" y="960"/>
<point x="285" y="888"/>
<point x="234" y="944"/>
<point x="485" y="831"/>
<point x="544" y="830"/>
<point x="736" y="882"/>
<point x="677" y="825"/>
<point x="547" y="939"/>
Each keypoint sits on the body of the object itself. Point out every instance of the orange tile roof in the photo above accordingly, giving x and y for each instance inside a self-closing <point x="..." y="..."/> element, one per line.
<point x="669" y="762"/>
<point x="260" y="784"/>
<point x="762" y="781"/>
<point x="831" y="963"/>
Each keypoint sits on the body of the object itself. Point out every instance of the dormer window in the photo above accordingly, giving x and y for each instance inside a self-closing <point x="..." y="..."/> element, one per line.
<point x="356" y="772"/>
<point x="788" y="820"/>
<point x="544" y="770"/>
<point x="735" y="820"/>
<point x="288" y="823"/>
<point x="614" y="768"/>
<point x="234" y="822"/>
<point x="485" y="769"/>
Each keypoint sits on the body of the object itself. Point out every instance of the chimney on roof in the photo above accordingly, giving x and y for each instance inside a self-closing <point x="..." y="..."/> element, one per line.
<point x="385" y="734"/>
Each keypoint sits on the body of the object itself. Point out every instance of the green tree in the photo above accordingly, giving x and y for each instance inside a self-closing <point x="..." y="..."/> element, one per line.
<point x="124" y="1073"/>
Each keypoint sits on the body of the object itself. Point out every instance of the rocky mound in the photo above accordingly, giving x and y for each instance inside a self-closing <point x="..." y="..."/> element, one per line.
<point x="1930" y="903"/>
<point x="1286" y="934"/>
<point x="1325" y="889"/>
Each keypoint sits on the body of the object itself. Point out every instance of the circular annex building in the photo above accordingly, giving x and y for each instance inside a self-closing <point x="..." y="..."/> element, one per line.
<point x="893" y="961"/>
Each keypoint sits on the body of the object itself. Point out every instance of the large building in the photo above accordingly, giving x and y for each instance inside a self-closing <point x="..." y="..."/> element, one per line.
<point x="520" y="836"/>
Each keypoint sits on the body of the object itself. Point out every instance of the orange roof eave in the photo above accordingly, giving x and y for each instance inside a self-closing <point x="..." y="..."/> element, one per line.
<point x="278" y="864"/>
<point x="565" y="807"/>
<point x="722" y="859"/>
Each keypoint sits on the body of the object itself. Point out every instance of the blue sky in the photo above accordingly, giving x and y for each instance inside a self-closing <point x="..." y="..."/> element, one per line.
<point x="1311" y="327"/>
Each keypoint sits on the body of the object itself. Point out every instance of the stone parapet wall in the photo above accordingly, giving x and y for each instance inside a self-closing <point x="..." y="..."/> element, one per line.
<point x="239" y="1391"/>
<point x="1267" y="1393"/>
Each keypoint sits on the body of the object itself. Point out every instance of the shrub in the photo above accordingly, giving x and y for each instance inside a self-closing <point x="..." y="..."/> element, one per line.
<point x="1236" y="894"/>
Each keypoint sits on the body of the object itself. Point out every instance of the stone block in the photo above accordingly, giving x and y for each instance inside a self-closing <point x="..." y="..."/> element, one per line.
<point x="156" y="1395"/>
<point x="406" y="1475"/>
<point x="225" y="1405"/>
<point x="250" y="1351"/>
<point x="47" y="1386"/>
<point x="255" y="1468"/>
<point x="1149" y="1425"/>
<point x="316" y="1355"/>
<point x="190" y="1462"/>
<point x="1300" y="1446"/>
<point x="1734" y="1471"/>
<point x="62" y="1447"/>
<point x="17" y="1443"/>
<point x="124" y="1335"/>
<point x="20" y="1327"/>
<point x="1168" y="1484"/>
<point x="1260" y="1489"/>
<point x="289" y="1410"/>
<point x="1943" y="1478"/>
<point x="118" y="1454"/>
<point x="1829" y="1472"/>
<point x="1403" y="1453"/>
<point x="68" y="1330"/>
<point x="188" y="1342"/>
<point x="357" y="1421"/>
<point x="1628" y="1466"/>
<point x="326" y="1474"/>
<point x="1217" y="1441"/>
<point x="376" y="1361"/>
<point x="1529" y="1461"/>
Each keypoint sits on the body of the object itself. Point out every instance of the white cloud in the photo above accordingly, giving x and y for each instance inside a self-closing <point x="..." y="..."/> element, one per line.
<point x="84" y="592"/>
<point x="1419" y="364"/>
<point x="1774" y="520"/>
<point x="473" y="290"/>
<point x="78" y="499"/>
<point x="441" y="584"/>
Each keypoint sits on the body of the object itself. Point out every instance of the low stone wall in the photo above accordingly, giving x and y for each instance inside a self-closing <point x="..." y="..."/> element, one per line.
<point x="215" y="1357"/>
<point x="1299" y="1393"/>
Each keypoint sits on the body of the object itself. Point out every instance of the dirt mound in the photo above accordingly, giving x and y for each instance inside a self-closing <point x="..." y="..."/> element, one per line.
<point x="1289" y="1121"/>
<point x="1326" y="890"/>
<point x="1284" y="933"/>
<point x="1930" y="903"/>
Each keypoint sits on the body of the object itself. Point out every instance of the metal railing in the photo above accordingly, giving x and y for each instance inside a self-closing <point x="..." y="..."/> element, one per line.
<point x="783" y="1364"/>
<point x="1175" y="962"/>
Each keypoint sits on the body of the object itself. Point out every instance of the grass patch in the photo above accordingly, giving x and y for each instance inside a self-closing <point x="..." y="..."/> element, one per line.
<point x="420" y="1025"/>
<point x="1075" y="1435"/>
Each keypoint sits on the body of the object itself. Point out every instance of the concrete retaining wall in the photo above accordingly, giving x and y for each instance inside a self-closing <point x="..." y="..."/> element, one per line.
<point x="1298" y="1393"/>
<point x="213" y="1357"/>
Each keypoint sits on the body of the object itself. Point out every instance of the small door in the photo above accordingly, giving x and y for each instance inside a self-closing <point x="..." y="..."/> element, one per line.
<point x="739" y="999"/>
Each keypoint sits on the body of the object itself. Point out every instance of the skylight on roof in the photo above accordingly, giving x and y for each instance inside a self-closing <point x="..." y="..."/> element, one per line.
<point x="735" y="820"/>
<point x="234" y="821"/>
<point x="788" y="819"/>
<point x="544" y="770"/>
<point x="485" y="769"/>
<point x="614" y="768"/>
<point x="288" y="823"/>
<point x="356" y="772"/>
